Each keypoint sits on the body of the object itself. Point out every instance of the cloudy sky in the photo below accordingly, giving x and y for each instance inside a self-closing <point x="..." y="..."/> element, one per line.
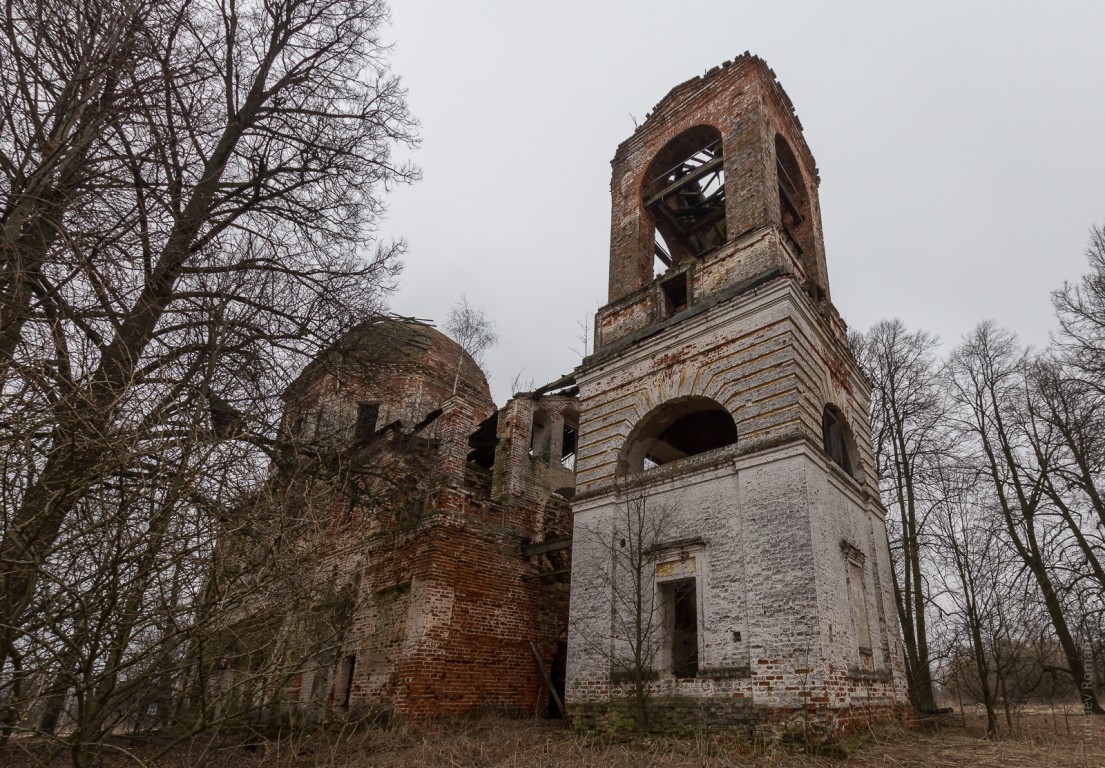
<point x="961" y="147"/>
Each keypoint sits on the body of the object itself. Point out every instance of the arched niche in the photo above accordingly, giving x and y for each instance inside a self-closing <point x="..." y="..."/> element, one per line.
<point x="674" y="430"/>
<point x="839" y="442"/>
<point x="684" y="193"/>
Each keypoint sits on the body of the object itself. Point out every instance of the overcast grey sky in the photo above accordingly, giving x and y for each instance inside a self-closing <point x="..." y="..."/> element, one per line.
<point x="961" y="147"/>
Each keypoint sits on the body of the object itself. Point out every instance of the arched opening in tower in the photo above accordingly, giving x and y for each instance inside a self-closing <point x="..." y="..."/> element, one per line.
<point x="684" y="193"/>
<point x="677" y="429"/>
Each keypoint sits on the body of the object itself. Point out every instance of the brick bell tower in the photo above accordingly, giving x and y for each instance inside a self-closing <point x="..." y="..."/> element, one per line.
<point x="725" y="475"/>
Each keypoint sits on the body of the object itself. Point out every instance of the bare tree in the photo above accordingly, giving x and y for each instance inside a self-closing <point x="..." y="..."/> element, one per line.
<point x="625" y="548"/>
<point x="1067" y="408"/>
<point x="1067" y="437"/>
<point x="189" y="196"/>
<point x="908" y="419"/>
<point x="967" y="551"/>
<point x="1080" y="308"/>
<point x="470" y="327"/>
<point x="1029" y="428"/>
<point x="989" y="380"/>
<point x="522" y="383"/>
<point x="1000" y="651"/>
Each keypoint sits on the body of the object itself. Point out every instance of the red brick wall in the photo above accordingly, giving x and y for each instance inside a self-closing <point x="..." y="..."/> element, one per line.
<point x="741" y="100"/>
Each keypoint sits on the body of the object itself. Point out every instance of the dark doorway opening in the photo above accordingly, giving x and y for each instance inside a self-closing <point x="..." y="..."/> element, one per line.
<point x="556" y="673"/>
<point x="681" y="598"/>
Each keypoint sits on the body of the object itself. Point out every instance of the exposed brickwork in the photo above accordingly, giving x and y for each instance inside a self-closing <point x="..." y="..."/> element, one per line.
<point x="423" y="552"/>
<point x="746" y="105"/>
<point x="446" y="526"/>
<point x="445" y="617"/>
<point x="786" y="548"/>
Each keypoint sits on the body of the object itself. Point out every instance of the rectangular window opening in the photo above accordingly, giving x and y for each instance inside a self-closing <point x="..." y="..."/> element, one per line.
<point x="367" y="414"/>
<point x="568" y="446"/>
<point x="351" y="507"/>
<point x="675" y="294"/>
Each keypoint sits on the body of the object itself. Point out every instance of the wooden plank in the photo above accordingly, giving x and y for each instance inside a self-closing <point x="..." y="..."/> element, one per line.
<point x="678" y="184"/>
<point x="662" y="255"/>
<point x="564" y="381"/>
<point x="548" y="681"/>
<point x="551" y="545"/>
<point x="706" y="222"/>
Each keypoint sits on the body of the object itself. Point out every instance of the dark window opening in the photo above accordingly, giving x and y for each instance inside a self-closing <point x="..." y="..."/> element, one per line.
<point x="344" y="689"/>
<point x="484" y="441"/>
<point x="838" y="440"/>
<point x="681" y="617"/>
<point x="557" y="673"/>
<point x="351" y="507"/>
<point x="685" y="195"/>
<point x="661" y="253"/>
<point x="789" y="198"/>
<point x="675" y="430"/>
<point x="539" y="435"/>
<point x="568" y="443"/>
<point x="367" y="415"/>
<point x="675" y="294"/>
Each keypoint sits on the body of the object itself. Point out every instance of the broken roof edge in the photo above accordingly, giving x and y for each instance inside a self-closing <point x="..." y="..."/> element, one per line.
<point x="682" y="93"/>
<point x="410" y="333"/>
<point x="672" y="96"/>
<point x="567" y="381"/>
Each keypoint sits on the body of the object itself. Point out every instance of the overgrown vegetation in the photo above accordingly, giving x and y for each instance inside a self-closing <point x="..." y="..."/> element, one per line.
<point x="188" y="196"/>
<point x="1052" y="739"/>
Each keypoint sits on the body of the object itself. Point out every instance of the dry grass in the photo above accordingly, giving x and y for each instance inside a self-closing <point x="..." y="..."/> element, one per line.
<point x="1041" y="739"/>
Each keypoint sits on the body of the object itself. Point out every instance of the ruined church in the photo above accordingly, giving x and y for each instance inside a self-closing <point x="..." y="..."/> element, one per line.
<point x="692" y="515"/>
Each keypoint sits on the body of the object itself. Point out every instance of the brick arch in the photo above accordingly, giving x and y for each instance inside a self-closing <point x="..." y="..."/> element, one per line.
<point x="683" y="195"/>
<point x="675" y="429"/>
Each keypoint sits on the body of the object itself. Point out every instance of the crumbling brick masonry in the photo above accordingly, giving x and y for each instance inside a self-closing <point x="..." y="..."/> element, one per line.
<point x="723" y="399"/>
<point x="724" y="543"/>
